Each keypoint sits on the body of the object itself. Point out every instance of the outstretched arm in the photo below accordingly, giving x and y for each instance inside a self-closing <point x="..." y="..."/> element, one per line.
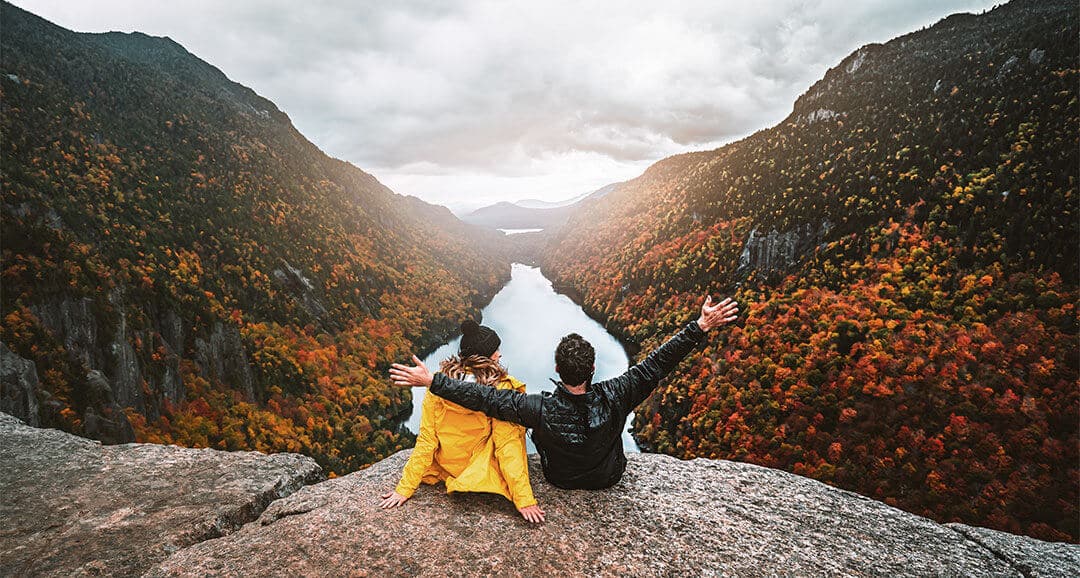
<point x="632" y="387"/>
<point x="504" y="404"/>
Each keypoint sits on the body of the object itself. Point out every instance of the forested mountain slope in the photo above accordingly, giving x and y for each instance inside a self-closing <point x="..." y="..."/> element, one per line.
<point x="905" y="246"/>
<point x="181" y="265"/>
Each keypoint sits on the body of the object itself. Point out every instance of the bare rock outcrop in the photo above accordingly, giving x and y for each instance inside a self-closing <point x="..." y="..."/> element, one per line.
<point x="222" y="357"/>
<point x="72" y="506"/>
<point x="775" y="252"/>
<point x="666" y="518"/>
<point x="18" y="386"/>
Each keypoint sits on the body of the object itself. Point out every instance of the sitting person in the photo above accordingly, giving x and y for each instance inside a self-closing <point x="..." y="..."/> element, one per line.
<point x="466" y="449"/>
<point x="577" y="429"/>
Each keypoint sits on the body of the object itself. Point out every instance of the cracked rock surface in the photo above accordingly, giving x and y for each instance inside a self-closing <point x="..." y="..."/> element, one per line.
<point x="71" y="506"/>
<point x="1030" y="557"/>
<point x="666" y="517"/>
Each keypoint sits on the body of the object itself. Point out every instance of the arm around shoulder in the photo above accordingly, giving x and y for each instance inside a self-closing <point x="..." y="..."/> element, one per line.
<point x="503" y="404"/>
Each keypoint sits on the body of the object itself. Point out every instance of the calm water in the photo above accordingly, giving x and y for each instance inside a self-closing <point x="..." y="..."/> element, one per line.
<point x="531" y="318"/>
<point x="519" y="231"/>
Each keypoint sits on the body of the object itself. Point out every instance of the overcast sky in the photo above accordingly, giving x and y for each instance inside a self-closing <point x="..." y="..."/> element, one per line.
<point x="465" y="102"/>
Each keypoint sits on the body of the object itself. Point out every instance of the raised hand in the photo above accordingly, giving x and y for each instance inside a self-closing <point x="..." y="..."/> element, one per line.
<point x="532" y="513"/>
<point x="416" y="376"/>
<point x="713" y="316"/>
<point x="392" y="500"/>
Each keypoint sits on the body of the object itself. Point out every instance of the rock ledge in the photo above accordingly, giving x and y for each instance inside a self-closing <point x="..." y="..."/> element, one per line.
<point x="72" y="506"/>
<point x="667" y="517"/>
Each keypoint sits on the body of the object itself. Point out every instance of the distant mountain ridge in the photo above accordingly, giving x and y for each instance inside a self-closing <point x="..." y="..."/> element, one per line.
<point x="181" y="265"/>
<point x="904" y="245"/>
<point x="532" y="213"/>
<point x="538" y="204"/>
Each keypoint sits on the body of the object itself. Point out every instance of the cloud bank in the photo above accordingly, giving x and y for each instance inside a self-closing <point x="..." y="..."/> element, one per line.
<point x="467" y="102"/>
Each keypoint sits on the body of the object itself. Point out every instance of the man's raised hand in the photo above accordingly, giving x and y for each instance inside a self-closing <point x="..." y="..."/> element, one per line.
<point x="416" y="376"/>
<point x="713" y="316"/>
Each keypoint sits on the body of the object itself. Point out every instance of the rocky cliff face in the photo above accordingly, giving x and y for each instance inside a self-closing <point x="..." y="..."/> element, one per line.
<point x="18" y="386"/>
<point x="75" y="507"/>
<point x="100" y="339"/>
<point x="775" y="252"/>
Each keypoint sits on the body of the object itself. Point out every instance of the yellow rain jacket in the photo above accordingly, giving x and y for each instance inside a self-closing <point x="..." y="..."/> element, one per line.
<point x="470" y="451"/>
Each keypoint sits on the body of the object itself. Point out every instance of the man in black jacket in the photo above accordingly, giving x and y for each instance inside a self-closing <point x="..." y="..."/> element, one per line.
<point x="577" y="429"/>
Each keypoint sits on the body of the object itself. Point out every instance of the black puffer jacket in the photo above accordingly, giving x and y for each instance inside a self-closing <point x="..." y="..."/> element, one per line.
<point x="578" y="437"/>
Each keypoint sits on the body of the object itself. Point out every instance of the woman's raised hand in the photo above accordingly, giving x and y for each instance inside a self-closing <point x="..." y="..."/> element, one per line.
<point x="416" y="376"/>
<point x="392" y="500"/>
<point x="532" y="513"/>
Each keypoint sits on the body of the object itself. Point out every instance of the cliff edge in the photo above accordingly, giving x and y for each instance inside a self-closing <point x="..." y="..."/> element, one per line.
<point x="74" y="507"/>
<point x="156" y="507"/>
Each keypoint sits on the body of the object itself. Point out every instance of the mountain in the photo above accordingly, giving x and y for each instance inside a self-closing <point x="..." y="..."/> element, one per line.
<point x="905" y="247"/>
<point x="538" y="204"/>
<point x="153" y="510"/>
<point x="507" y="215"/>
<point x="180" y="265"/>
<point x="533" y="214"/>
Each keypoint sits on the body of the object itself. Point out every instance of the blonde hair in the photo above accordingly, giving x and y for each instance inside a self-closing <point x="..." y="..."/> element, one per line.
<point x="486" y="370"/>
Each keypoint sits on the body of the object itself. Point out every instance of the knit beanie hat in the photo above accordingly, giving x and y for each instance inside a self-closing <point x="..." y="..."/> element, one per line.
<point x="477" y="339"/>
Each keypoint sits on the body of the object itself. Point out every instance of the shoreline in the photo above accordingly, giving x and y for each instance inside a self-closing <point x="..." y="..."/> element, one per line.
<point x="631" y="347"/>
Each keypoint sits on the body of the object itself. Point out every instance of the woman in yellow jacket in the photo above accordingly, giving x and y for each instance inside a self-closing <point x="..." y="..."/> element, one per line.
<point x="466" y="449"/>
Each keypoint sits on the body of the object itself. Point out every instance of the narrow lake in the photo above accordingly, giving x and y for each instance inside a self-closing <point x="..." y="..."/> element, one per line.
<point x="519" y="231"/>
<point x="531" y="318"/>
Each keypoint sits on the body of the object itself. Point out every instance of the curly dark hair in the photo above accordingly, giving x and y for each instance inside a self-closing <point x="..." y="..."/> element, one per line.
<point x="574" y="359"/>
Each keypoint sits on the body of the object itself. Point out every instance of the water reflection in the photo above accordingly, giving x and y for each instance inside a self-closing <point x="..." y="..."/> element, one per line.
<point x="531" y="317"/>
<point x="519" y="231"/>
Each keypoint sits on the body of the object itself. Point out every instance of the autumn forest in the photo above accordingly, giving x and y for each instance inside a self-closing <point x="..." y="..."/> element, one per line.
<point x="180" y="265"/>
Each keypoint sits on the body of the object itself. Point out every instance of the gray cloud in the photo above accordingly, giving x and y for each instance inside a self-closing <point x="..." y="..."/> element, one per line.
<point x="489" y="99"/>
